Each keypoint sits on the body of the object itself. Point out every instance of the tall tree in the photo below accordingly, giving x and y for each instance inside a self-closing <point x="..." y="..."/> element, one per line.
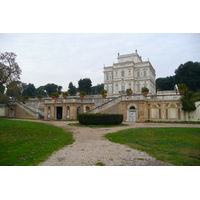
<point x="72" y="89"/>
<point x="14" y="90"/>
<point x="167" y="83"/>
<point x="188" y="101"/>
<point x="29" y="90"/>
<point x="188" y="74"/>
<point x="85" y="85"/>
<point x="97" y="88"/>
<point x="53" y="88"/>
<point x="9" y="72"/>
<point x="40" y="91"/>
<point x="9" y="69"/>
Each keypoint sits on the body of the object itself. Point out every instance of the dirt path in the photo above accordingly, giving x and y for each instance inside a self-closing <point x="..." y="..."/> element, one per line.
<point x="90" y="147"/>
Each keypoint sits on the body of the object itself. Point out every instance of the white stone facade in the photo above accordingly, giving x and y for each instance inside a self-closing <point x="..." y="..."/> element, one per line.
<point x="129" y="72"/>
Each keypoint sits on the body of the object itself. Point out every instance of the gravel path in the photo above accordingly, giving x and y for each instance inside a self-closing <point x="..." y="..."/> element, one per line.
<point x="90" y="147"/>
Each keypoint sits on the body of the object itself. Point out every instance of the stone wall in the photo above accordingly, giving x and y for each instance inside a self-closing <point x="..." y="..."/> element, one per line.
<point x="69" y="110"/>
<point x="2" y="111"/>
<point x="149" y="110"/>
<point x="16" y="111"/>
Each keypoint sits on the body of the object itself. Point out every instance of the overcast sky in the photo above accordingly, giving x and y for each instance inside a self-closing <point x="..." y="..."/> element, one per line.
<point x="63" y="43"/>
<point x="68" y="57"/>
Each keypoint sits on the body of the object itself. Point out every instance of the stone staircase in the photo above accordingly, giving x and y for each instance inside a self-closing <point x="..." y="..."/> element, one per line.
<point x="32" y="110"/>
<point x="113" y="102"/>
<point x="106" y="105"/>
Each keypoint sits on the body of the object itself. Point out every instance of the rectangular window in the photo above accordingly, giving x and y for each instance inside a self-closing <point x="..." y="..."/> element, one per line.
<point x="123" y="88"/>
<point x="138" y="88"/>
<point x="145" y="73"/>
<point x="138" y="74"/>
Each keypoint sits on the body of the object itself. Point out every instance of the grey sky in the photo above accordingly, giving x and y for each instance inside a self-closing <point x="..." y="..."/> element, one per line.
<point x="61" y="58"/>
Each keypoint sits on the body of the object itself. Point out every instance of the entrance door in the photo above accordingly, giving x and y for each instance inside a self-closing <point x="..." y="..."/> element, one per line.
<point x="132" y="116"/>
<point x="11" y="113"/>
<point x="59" y="112"/>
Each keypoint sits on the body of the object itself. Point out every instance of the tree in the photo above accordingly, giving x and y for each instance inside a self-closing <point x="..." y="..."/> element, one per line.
<point x="9" y="69"/>
<point x="85" y="85"/>
<point x="14" y="90"/>
<point x="167" y="83"/>
<point x="72" y="89"/>
<point x="29" y="90"/>
<point x="40" y="91"/>
<point x="53" y="88"/>
<point x="188" y="101"/>
<point x="188" y="73"/>
<point x="9" y="72"/>
<point x="96" y="89"/>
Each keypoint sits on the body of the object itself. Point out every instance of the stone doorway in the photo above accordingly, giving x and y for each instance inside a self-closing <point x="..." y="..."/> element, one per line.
<point x="59" y="113"/>
<point x="11" y="113"/>
<point x="132" y="114"/>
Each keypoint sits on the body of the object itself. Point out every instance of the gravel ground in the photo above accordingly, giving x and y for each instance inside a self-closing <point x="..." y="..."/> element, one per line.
<point x="90" y="147"/>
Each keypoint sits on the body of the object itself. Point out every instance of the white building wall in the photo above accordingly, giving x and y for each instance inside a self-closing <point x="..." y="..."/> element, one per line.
<point x="2" y="111"/>
<point x="129" y="72"/>
<point x="194" y="115"/>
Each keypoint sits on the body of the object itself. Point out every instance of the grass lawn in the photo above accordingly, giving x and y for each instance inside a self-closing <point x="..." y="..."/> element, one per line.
<point x="29" y="143"/>
<point x="178" y="146"/>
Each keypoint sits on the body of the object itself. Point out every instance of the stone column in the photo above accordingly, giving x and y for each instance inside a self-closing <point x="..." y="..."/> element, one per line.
<point x="45" y="112"/>
<point x="64" y="112"/>
<point x="52" y="112"/>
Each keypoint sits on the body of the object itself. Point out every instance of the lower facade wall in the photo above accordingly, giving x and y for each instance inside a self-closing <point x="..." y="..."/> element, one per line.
<point x="133" y="111"/>
<point x="65" y="111"/>
<point x="16" y="111"/>
<point x="140" y="111"/>
<point x="2" y="111"/>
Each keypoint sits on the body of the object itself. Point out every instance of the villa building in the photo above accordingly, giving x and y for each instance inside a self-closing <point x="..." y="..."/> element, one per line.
<point x="129" y="72"/>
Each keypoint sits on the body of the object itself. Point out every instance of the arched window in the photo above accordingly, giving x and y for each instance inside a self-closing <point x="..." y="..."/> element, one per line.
<point x="68" y="112"/>
<point x="132" y="108"/>
<point x="87" y="109"/>
<point x="78" y="111"/>
<point x="49" y="112"/>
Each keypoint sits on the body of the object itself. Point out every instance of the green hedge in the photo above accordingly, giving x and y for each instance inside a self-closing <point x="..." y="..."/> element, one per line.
<point x="100" y="119"/>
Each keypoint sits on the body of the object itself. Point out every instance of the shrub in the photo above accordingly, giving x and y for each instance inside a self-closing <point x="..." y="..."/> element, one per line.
<point x="182" y="86"/>
<point x="144" y="89"/>
<point x="82" y="93"/>
<point x="55" y="94"/>
<point x="100" y="119"/>
<point x="129" y="90"/>
<point x="103" y="91"/>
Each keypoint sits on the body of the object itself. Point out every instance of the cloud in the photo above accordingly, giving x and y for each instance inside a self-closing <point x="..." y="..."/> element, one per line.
<point x="68" y="57"/>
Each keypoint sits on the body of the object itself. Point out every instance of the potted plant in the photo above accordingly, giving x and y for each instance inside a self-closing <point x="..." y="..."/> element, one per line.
<point x="54" y="96"/>
<point x="26" y="98"/>
<point x="145" y="90"/>
<point x="103" y="93"/>
<point x="129" y="91"/>
<point x="39" y="97"/>
<point x="181" y="88"/>
<point x="82" y="94"/>
<point x="65" y="94"/>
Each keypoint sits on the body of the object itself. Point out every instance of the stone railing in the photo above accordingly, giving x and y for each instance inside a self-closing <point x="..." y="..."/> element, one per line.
<point x="134" y="97"/>
<point x="107" y="104"/>
<point x="163" y="97"/>
<point x="69" y="100"/>
<point x="33" y="111"/>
